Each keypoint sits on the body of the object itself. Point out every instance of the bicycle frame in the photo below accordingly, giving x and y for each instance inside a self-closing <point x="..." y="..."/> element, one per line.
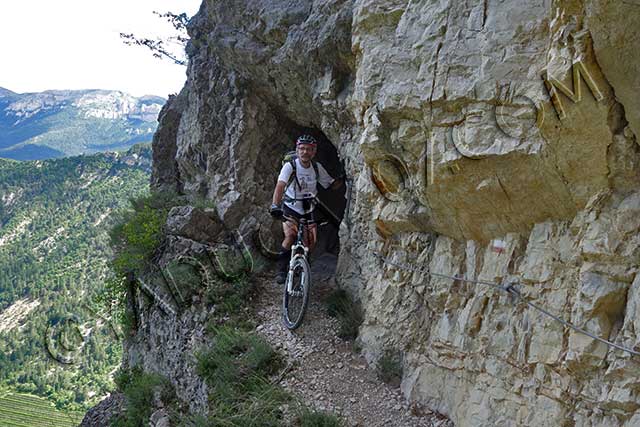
<point x="298" y="281"/>
<point x="295" y="248"/>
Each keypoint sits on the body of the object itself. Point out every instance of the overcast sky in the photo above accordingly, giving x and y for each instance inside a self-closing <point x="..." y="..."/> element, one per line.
<point x="75" y="44"/>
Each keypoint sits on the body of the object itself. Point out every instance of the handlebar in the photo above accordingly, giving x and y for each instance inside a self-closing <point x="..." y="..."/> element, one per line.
<point x="319" y="202"/>
<point x="300" y="199"/>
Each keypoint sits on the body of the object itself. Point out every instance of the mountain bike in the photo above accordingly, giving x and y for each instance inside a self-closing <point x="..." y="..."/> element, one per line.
<point x="298" y="281"/>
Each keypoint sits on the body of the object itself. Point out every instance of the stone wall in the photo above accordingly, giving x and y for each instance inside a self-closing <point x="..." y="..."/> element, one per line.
<point x="492" y="140"/>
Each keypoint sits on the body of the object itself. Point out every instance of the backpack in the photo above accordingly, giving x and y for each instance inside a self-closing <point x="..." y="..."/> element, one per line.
<point x="291" y="157"/>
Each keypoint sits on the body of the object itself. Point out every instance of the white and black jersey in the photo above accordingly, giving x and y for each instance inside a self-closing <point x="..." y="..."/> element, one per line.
<point x="307" y="180"/>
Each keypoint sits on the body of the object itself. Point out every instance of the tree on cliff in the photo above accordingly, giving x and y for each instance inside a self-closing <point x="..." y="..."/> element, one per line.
<point x="171" y="48"/>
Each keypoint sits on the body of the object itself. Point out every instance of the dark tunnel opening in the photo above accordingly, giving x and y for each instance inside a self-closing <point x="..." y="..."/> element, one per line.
<point x="332" y="204"/>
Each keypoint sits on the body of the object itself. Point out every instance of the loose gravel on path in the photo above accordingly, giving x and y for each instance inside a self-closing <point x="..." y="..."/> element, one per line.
<point x="324" y="371"/>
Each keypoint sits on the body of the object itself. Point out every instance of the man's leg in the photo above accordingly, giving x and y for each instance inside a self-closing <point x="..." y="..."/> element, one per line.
<point x="310" y="236"/>
<point x="284" y="256"/>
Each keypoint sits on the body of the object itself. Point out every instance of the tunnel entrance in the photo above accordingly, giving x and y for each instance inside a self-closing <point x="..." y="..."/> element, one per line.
<point x="332" y="203"/>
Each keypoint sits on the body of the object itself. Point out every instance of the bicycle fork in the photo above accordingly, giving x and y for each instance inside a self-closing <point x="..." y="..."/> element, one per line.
<point x="291" y="272"/>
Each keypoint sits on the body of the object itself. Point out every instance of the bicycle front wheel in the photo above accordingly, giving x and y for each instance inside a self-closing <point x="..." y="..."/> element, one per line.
<point x="296" y="293"/>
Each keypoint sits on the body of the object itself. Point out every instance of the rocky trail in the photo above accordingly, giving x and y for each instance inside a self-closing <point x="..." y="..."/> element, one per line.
<point x="324" y="370"/>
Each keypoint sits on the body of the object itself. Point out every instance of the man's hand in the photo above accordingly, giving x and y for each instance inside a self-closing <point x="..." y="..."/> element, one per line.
<point x="340" y="179"/>
<point x="276" y="211"/>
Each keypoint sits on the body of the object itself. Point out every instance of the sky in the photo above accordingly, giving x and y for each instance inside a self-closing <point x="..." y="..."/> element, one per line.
<point x="75" y="44"/>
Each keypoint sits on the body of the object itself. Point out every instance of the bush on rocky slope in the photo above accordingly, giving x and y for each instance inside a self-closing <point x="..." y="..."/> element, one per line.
<point x="140" y="389"/>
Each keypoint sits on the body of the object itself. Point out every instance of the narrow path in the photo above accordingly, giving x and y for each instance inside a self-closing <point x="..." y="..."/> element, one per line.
<point x="325" y="372"/>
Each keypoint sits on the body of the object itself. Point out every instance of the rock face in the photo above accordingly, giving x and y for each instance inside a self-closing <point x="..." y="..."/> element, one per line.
<point x="103" y="414"/>
<point x="165" y="172"/>
<point x="193" y="223"/>
<point x="159" y="347"/>
<point x="492" y="141"/>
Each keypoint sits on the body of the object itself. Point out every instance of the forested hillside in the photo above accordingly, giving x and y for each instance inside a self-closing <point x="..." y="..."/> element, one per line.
<point x="54" y="217"/>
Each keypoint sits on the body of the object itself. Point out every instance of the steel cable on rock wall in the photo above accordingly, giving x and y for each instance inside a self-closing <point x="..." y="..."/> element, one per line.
<point x="511" y="290"/>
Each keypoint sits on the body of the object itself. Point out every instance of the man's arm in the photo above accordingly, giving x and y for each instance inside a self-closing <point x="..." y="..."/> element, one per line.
<point x="336" y="184"/>
<point x="281" y="185"/>
<point x="326" y="180"/>
<point x="278" y="192"/>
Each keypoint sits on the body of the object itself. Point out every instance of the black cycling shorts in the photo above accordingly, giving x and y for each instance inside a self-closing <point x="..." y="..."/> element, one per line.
<point x="290" y="212"/>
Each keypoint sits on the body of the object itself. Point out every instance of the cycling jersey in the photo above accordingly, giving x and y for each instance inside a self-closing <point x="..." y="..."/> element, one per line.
<point x="304" y="186"/>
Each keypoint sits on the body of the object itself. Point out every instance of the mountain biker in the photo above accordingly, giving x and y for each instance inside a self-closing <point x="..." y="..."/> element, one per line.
<point x="297" y="180"/>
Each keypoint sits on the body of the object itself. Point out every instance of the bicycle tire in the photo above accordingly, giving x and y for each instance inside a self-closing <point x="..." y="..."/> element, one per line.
<point x="292" y="317"/>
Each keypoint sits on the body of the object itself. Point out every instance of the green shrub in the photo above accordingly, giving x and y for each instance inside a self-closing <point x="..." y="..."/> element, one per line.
<point x="135" y="238"/>
<point x="199" y="202"/>
<point x="341" y="306"/>
<point x="139" y="389"/>
<point x="389" y="367"/>
<point x="139" y="232"/>
<point x="310" y="418"/>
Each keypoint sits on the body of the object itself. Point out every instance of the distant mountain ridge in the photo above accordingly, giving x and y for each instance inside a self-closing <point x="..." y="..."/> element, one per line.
<point x="60" y="123"/>
<point x="6" y="92"/>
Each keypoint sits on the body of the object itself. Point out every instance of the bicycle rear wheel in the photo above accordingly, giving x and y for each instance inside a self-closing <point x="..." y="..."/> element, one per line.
<point x="294" y="303"/>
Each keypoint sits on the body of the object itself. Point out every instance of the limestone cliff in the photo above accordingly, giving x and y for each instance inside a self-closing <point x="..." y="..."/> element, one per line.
<point x="490" y="140"/>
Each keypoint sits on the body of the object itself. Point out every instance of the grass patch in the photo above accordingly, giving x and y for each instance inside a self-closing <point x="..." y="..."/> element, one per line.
<point x="230" y="296"/>
<point x="139" y="389"/>
<point x="237" y="369"/>
<point x="239" y="366"/>
<point x="310" y="418"/>
<point x="389" y="367"/>
<point x="341" y="306"/>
